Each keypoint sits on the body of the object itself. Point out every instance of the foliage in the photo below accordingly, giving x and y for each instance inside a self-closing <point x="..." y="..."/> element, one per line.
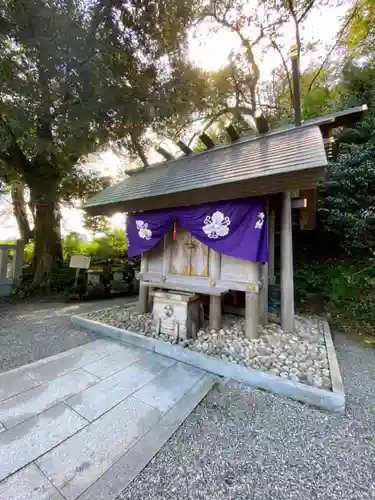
<point x="95" y="224"/>
<point x="360" y="31"/>
<point x="75" y="76"/>
<point x="348" y="202"/>
<point x="238" y="90"/>
<point x="28" y="253"/>
<point x="347" y="197"/>
<point x="347" y="288"/>
<point x="110" y="246"/>
<point x="346" y="208"/>
<point x="109" y="250"/>
<point x="319" y="92"/>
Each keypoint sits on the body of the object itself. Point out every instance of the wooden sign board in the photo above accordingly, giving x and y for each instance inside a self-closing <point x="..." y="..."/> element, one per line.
<point x="79" y="261"/>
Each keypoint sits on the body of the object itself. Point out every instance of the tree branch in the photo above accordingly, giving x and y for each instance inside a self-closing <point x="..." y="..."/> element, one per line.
<point x="307" y="9"/>
<point x="341" y="33"/>
<point x="13" y="156"/>
<point x="285" y="65"/>
<point x="139" y="150"/>
<point x="296" y="26"/>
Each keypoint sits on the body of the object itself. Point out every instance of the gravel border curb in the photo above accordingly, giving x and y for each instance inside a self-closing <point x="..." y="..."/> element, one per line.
<point x="336" y="380"/>
<point x="333" y="401"/>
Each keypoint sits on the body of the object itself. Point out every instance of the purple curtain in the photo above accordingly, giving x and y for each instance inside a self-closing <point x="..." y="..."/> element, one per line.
<point x="235" y="227"/>
<point x="145" y="230"/>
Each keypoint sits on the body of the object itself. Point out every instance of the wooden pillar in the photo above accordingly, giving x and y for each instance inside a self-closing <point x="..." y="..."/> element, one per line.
<point x="271" y="247"/>
<point x="263" y="295"/>
<point x="263" y="299"/>
<point x="287" y="284"/>
<point x="143" y="289"/>
<point x="150" y="299"/>
<point x="215" y="300"/>
<point x="4" y="254"/>
<point x="252" y="303"/>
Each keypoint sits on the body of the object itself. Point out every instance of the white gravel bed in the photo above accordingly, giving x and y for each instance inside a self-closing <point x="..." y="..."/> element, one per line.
<point x="300" y="357"/>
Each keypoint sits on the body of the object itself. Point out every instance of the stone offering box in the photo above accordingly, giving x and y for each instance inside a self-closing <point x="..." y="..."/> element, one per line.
<point x="177" y="314"/>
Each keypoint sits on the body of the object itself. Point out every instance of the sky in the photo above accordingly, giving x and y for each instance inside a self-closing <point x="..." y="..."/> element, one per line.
<point x="210" y="52"/>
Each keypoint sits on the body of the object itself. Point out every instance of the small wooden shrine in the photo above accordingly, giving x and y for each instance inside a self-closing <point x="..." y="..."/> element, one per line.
<point x="172" y="207"/>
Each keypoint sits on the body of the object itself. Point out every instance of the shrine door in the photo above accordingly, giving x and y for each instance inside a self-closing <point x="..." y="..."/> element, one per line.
<point x="189" y="256"/>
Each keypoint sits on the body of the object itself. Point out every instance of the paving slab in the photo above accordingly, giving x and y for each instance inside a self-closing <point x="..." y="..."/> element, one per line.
<point x="67" y="364"/>
<point x="100" y="343"/>
<point x="28" y="484"/>
<point x="112" y="482"/>
<point x="111" y="364"/>
<point x="27" y="441"/>
<point x="154" y="363"/>
<point x="103" y="396"/>
<point x="75" y="464"/>
<point x="67" y="420"/>
<point x="14" y="383"/>
<point x="166" y="389"/>
<point x="23" y="406"/>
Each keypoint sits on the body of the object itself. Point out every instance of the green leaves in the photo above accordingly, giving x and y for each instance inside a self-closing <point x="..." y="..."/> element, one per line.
<point x="348" y="192"/>
<point x="75" y="74"/>
<point x="360" y="31"/>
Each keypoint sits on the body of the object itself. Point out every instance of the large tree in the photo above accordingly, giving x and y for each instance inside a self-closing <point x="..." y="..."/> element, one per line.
<point x="239" y="89"/>
<point x="75" y="75"/>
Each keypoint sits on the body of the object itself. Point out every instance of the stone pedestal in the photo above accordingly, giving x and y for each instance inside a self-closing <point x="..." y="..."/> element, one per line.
<point x="177" y="314"/>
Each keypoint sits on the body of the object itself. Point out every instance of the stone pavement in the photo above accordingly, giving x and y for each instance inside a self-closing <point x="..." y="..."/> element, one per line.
<point x="82" y="424"/>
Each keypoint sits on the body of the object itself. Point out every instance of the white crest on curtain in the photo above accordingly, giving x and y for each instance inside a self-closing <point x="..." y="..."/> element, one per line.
<point x="143" y="231"/>
<point x="259" y="223"/>
<point x="216" y="226"/>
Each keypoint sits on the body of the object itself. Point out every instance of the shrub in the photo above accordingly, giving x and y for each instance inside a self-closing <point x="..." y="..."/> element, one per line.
<point x="347" y="288"/>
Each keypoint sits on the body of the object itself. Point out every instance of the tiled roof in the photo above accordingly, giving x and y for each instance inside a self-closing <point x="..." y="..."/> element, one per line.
<point x="269" y="157"/>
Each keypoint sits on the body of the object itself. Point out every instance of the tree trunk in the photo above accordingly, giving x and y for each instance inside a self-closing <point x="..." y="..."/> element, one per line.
<point x="48" y="249"/>
<point x="17" y="191"/>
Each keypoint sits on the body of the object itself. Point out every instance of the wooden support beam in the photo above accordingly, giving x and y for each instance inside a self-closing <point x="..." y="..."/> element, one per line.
<point x="184" y="148"/>
<point x="166" y="154"/>
<point x="232" y="132"/>
<point x="287" y="284"/>
<point x="251" y="315"/>
<point x="263" y="305"/>
<point x="150" y="299"/>
<point x="263" y="294"/>
<point x="207" y="141"/>
<point x="215" y="301"/>
<point x="271" y="247"/>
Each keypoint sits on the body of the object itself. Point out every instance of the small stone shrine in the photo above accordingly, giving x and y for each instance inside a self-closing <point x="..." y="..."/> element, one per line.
<point x="178" y="314"/>
<point x="205" y="223"/>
